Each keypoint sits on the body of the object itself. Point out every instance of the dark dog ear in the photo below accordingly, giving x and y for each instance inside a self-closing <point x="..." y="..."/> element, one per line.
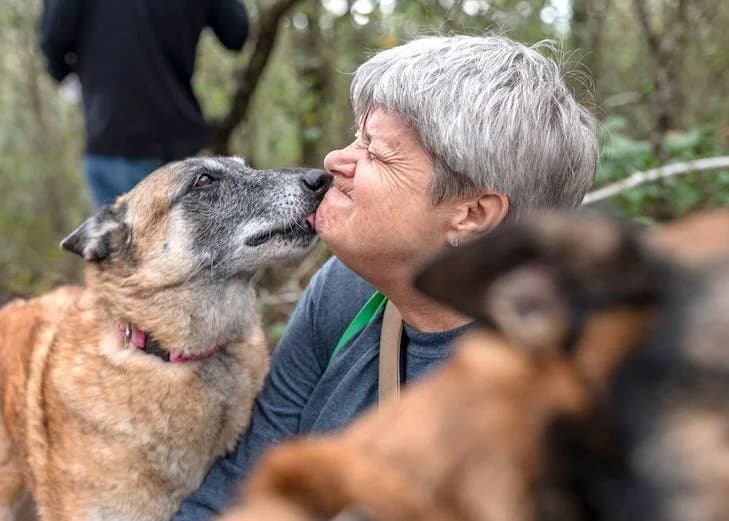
<point x="529" y="278"/>
<point x="461" y="277"/>
<point x="99" y="235"/>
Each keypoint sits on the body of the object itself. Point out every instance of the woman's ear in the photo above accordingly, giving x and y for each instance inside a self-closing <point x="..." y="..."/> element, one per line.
<point x="478" y="215"/>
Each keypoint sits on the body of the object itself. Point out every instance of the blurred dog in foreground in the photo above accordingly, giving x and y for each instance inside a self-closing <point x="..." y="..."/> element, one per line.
<point x="118" y="396"/>
<point x="598" y="388"/>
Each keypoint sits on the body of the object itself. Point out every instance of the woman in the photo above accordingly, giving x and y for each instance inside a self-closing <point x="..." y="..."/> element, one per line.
<point x="456" y="134"/>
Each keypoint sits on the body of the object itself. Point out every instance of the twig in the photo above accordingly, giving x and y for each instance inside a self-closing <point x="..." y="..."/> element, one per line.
<point x="280" y="299"/>
<point x="639" y="178"/>
<point x="622" y="99"/>
<point x="247" y="77"/>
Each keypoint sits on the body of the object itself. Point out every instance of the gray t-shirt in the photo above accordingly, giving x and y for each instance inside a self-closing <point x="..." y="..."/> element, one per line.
<point x="305" y="392"/>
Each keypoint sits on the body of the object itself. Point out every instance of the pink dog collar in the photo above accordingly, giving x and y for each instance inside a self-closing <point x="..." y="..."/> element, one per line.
<point x="140" y="339"/>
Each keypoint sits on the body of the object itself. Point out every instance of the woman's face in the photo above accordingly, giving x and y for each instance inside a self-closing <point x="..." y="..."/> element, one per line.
<point x="378" y="213"/>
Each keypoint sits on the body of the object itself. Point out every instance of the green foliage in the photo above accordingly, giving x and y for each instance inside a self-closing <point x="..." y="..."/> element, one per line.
<point x="667" y="198"/>
<point x="42" y="196"/>
<point x="301" y="110"/>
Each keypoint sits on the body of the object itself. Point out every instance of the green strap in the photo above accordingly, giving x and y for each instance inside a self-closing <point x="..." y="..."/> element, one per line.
<point x="364" y="316"/>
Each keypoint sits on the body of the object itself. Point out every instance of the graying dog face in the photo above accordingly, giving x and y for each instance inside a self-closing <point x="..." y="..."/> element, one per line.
<point x="212" y="217"/>
<point x="241" y="219"/>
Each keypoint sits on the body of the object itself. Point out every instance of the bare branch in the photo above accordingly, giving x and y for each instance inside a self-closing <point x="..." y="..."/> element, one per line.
<point x="276" y="299"/>
<point x="622" y="99"/>
<point x="644" y="19"/>
<point x="639" y="178"/>
<point x="247" y="77"/>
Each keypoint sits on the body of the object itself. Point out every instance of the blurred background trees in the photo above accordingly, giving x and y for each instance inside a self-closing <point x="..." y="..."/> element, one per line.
<point x="655" y="72"/>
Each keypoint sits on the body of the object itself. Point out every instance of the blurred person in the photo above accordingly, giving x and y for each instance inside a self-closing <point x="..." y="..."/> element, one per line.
<point x="455" y="136"/>
<point x="135" y="60"/>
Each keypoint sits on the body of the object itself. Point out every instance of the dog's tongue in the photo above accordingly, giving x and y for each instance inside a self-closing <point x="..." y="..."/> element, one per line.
<point x="311" y="219"/>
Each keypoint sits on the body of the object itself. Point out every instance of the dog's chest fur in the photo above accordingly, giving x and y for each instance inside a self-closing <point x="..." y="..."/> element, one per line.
<point x="122" y="433"/>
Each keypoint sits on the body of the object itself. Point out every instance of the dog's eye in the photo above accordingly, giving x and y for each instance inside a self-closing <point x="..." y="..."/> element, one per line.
<point x="203" y="180"/>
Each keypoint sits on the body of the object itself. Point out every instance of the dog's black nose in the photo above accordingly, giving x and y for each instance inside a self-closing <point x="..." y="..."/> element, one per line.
<point x="317" y="180"/>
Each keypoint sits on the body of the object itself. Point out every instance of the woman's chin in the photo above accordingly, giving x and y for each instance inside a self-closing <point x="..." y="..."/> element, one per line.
<point x="330" y="232"/>
<point x="334" y="234"/>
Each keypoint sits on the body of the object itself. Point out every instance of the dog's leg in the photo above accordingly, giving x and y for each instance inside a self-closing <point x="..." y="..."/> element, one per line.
<point x="324" y="478"/>
<point x="19" y="325"/>
<point x="13" y="494"/>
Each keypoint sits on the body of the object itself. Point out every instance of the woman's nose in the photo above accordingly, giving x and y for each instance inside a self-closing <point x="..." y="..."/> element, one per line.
<point x="341" y="162"/>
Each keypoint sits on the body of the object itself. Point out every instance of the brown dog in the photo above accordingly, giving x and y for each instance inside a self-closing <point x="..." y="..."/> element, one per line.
<point x="599" y="389"/>
<point x="117" y="397"/>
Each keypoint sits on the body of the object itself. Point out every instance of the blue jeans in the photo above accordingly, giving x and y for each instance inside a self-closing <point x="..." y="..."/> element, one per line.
<point x="110" y="176"/>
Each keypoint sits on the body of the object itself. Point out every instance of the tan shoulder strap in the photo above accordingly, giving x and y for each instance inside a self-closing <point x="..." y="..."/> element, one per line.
<point x="390" y="337"/>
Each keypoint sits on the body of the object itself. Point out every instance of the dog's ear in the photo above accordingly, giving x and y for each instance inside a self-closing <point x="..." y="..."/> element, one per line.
<point x="100" y="235"/>
<point x="531" y="279"/>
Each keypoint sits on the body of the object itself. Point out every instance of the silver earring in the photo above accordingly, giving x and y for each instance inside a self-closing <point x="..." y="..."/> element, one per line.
<point x="453" y="242"/>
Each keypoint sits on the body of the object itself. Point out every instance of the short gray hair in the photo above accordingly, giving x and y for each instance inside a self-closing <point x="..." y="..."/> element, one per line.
<point x="493" y="113"/>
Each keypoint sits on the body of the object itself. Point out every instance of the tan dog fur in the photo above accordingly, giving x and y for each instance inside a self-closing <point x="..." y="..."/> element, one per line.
<point x="92" y="426"/>
<point x="470" y="442"/>
<point x="434" y="455"/>
<point x="108" y="414"/>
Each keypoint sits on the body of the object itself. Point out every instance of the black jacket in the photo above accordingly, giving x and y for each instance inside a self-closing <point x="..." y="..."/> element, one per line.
<point x="135" y="60"/>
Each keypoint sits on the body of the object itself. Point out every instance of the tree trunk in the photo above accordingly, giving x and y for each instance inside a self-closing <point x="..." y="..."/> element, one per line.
<point x="312" y="65"/>
<point x="247" y="77"/>
<point x="666" y="46"/>
<point x="588" y="20"/>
